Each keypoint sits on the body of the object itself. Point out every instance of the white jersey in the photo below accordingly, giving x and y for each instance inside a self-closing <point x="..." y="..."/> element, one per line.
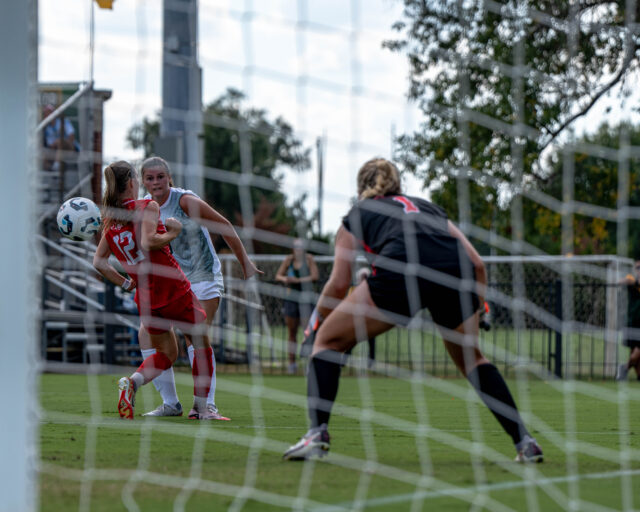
<point x="192" y="248"/>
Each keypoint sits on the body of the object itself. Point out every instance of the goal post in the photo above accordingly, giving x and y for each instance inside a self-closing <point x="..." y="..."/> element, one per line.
<point x="18" y="307"/>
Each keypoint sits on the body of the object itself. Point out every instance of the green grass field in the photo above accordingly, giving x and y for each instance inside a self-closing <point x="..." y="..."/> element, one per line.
<point x="92" y="460"/>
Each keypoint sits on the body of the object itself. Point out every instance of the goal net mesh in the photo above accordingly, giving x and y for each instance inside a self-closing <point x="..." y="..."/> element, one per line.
<point x="409" y="433"/>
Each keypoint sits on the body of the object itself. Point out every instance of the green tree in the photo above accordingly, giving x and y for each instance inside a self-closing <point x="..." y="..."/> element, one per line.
<point x="498" y="83"/>
<point x="595" y="184"/>
<point x="272" y="145"/>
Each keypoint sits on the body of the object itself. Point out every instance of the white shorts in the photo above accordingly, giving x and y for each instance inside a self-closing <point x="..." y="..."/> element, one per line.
<point x="207" y="289"/>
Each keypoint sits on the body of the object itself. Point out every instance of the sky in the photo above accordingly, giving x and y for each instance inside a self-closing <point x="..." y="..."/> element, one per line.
<point x="330" y="78"/>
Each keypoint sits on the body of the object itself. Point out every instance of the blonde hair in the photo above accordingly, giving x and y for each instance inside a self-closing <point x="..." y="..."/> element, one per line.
<point x="116" y="176"/>
<point x="378" y="177"/>
<point x="153" y="162"/>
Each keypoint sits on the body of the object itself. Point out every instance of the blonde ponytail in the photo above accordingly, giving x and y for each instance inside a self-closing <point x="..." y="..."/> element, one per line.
<point x="378" y="177"/>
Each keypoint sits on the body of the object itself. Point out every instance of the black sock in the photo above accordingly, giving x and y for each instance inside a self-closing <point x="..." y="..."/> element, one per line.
<point x="322" y="384"/>
<point x="493" y="390"/>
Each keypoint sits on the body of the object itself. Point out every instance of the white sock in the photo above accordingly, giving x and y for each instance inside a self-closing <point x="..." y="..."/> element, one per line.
<point x="211" y="397"/>
<point x="138" y="380"/>
<point x="199" y="403"/>
<point x="165" y="383"/>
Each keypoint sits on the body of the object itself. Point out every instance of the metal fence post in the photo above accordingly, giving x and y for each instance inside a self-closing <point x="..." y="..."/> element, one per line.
<point x="109" y="328"/>
<point x="249" y="333"/>
<point x="222" y="316"/>
<point x="557" y="355"/>
<point x="611" y="325"/>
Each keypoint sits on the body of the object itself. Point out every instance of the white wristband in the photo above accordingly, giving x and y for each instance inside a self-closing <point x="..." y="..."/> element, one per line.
<point x="126" y="284"/>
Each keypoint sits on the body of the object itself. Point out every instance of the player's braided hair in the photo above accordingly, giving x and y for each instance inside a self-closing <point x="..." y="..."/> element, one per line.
<point x="116" y="177"/>
<point x="154" y="162"/>
<point x="378" y="177"/>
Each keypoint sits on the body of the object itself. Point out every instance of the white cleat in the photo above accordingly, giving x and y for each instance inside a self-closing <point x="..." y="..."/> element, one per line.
<point x="210" y="413"/>
<point x="314" y="444"/>
<point x="166" y="410"/>
<point x="530" y="452"/>
<point x="622" y="372"/>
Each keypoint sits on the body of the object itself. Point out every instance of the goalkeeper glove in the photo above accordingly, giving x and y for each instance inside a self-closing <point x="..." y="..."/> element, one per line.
<point x="310" y="333"/>
<point x="485" y="317"/>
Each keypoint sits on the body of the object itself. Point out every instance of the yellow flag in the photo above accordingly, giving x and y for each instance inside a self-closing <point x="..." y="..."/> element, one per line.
<point x="105" y="4"/>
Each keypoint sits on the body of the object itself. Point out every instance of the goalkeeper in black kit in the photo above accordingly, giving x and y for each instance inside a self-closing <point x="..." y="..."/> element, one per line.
<point x="418" y="259"/>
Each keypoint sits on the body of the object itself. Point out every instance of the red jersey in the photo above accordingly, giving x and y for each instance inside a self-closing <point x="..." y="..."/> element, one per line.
<point x="159" y="278"/>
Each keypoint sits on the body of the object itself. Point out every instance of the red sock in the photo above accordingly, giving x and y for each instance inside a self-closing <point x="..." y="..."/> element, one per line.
<point x="202" y="371"/>
<point x="153" y="366"/>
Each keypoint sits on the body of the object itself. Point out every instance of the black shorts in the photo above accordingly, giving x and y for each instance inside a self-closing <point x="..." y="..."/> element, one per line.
<point x="631" y="343"/>
<point x="295" y="309"/>
<point x="449" y="306"/>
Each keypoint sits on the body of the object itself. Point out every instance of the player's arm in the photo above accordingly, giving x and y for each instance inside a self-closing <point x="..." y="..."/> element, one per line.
<point x="336" y="288"/>
<point x="197" y="209"/>
<point x="476" y="260"/>
<point x="340" y="279"/>
<point x="281" y="274"/>
<point x="628" y="280"/>
<point x="150" y="239"/>
<point x="102" y="265"/>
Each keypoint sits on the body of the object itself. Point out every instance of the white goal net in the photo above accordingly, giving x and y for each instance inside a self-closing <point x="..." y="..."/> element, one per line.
<point x="495" y="111"/>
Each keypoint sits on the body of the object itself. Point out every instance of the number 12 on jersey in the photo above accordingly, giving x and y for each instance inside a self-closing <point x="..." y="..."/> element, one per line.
<point x="126" y="244"/>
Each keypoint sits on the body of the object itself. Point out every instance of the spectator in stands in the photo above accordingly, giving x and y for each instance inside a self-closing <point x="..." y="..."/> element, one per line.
<point x="632" y="331"/>
<point x="298" y="272"/>
<point x="59" y="136"/>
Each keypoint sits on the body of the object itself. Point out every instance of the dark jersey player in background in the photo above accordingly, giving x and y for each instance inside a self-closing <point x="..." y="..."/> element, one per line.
<point x="419" y="260"/>
<point x="632" y="331"/>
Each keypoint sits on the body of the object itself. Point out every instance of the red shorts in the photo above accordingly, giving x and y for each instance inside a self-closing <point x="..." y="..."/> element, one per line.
<point x="186" y="310"/>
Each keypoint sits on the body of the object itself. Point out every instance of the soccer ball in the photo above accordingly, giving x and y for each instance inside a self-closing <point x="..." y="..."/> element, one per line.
<point x="78" y="219"/>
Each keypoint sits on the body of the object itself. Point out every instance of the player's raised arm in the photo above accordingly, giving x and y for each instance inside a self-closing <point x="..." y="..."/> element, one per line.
<point x="150" y="239"/>
<point x="197" y="209"/>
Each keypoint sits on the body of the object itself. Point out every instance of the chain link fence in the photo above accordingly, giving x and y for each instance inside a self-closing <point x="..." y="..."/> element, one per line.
<point x="552" y="315"/>
<point x="556" y="316"/>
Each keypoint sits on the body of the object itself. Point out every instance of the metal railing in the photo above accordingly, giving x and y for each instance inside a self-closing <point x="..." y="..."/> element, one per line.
<point x="562" y="321"/>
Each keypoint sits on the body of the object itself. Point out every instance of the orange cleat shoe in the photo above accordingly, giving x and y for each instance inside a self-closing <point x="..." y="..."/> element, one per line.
<point x="126" y="398"/>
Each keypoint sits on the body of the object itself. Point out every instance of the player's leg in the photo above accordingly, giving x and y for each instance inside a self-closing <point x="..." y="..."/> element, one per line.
<point x="188" y="310"/>
<point x="372" y="352"/>
<point x="166" y="351"/>
<point x="210" y="307"/>
<point x="634" y="360"/>
<point x="462" y="345"/>
<point x="355" y="318"/>
<point x="165" y="382"/>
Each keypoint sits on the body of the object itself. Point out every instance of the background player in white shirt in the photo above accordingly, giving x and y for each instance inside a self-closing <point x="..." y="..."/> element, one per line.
<point x="194" y="252"/>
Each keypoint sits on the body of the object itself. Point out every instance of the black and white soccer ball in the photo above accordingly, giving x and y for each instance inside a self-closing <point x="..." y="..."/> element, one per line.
<point x="79" y="219"/>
